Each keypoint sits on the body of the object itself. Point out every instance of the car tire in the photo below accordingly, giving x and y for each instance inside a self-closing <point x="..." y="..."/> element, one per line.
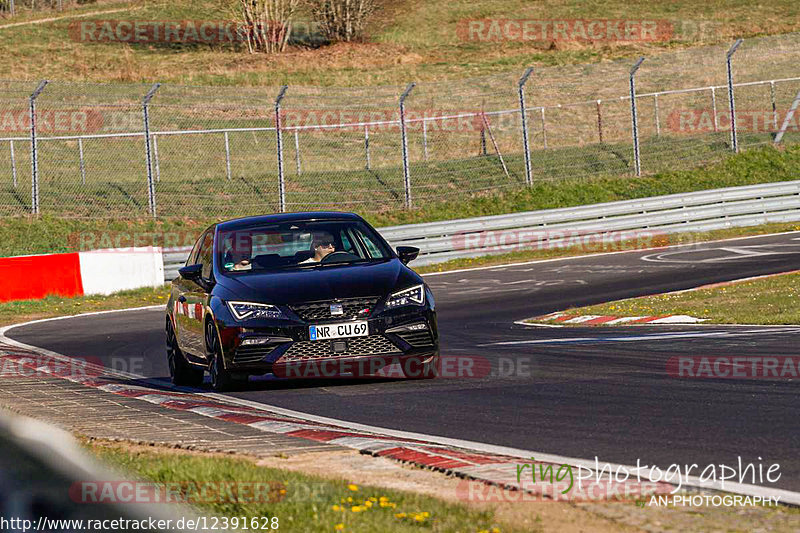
<point x="221" y="379"/>
<point x="181" y="372"/>
<point x="430" y="369"/>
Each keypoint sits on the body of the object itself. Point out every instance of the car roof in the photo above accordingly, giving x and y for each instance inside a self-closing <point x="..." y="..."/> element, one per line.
<point x="245" y="222"/>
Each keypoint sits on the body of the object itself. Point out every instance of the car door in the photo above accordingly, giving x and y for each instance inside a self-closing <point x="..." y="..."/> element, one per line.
<point x="180" y="287"/>
<point x="192" y="299"/>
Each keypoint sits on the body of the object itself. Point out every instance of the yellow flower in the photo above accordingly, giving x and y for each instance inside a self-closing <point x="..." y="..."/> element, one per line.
<point x="349" y="499"/>
<point x="384" y="499"/>
<point x="426" y="514"/>
<point x="353" y="487"/>
<point x="335" y="507"/>
<point x="419" y="518"/>
<point x="495" y="530"/>
<point x="400" y="515"/>
<point x="373" y="499"/>
<point x="338" y="527"/>
<point x="368" y="504"/>
<point x="356" y="508"/>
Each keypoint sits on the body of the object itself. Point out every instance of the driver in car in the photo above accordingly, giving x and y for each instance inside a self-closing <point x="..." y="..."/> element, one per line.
<point x="322" y="245"/>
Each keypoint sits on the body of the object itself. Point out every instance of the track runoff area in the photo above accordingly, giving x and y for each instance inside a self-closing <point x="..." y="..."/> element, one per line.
<point x="601" y="401"/>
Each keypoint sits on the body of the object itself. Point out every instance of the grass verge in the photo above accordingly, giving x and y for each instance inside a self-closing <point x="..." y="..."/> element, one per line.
<point x="301" y="502"/>
<point x="772" y="300"/>
<point x="53" y="306"/>
<point x="408" y="39"/>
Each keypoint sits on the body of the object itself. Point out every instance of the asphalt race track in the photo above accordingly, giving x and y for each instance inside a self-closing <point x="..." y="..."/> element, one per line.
<point x="576" y="392"/>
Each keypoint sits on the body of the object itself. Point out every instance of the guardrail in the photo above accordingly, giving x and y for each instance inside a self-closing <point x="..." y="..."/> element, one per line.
<point x="675" y="213"/>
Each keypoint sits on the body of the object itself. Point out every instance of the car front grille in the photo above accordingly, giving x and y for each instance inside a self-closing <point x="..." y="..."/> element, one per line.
<point x="352" y="308"/>
<point x="357" y="346"/>
<point x="417" y="338"/>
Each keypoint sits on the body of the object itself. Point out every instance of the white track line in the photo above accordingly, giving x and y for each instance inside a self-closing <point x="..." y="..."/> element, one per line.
<point x="786" y="496"/>
<point x="572" y="257"/>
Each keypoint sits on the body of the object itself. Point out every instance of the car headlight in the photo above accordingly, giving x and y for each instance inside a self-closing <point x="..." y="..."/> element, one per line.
<point x="411" y="296"/>
<point x="250" y="310"/>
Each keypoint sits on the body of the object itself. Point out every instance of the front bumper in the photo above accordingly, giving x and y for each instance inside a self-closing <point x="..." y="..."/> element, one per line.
<point x="287" y="350"/>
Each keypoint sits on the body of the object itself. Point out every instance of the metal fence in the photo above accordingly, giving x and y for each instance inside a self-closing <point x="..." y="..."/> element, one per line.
<point x="102" y="150"/>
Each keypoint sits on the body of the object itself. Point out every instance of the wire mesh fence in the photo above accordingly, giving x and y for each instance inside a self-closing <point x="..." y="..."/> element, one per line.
<point x="124" y="151"/>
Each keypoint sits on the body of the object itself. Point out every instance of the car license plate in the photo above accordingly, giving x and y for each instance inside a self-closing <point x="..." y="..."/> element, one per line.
<point x="338" y="331"/>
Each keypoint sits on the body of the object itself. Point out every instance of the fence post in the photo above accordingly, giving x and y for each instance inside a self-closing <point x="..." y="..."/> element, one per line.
<point x="599" y="123"/>
<point x="279" y="136"/>
<point x="151" y="186"/>
<point x="227" y="157"/>
<point x="366" y="146"/>
<point x="658" y="123"/>
<point x="544" y="128"/>
<point x="635" y="118"/>
<point x="734" y="137"/>
<point x="297" y="152"/>
<point x="774" y="107"/>
<point x="406" y="174"/>
<point x="156" y="159"/>
<point x="34" y="152"/>
<point x="12" y="8"/>
<point x="425" y="139"/>
<point x="83" y="166"/>
<point x="13" y="165"/>
<point x="525" y="143"/>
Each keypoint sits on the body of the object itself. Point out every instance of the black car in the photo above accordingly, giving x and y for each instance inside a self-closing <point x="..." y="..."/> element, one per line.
<point x="299" y="295"/>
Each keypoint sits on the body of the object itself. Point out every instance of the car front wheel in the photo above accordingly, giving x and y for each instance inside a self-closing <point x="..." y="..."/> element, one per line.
<point x="180" y="371"/>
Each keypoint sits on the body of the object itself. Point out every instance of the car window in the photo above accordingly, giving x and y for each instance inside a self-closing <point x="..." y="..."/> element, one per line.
<point x="299" y="244"/>
<point x="346" y="244"/>
<point x="205" y="254"/>
<point x="372" y="248"/>
<point x="192" y="259"/>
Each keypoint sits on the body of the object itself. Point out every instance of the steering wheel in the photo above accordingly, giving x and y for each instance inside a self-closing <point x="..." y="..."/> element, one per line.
<point x="339" y="257"/>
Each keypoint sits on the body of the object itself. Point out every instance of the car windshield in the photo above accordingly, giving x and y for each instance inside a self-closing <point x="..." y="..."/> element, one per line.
<point x="295" y="245"/>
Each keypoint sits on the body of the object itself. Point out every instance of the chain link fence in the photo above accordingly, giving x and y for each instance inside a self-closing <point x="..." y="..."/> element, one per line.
<point x="127" y="151"/>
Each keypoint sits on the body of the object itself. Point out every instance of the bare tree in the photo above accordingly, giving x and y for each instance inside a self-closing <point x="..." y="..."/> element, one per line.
<point x="342" y="20"/>
<point x="268" y="24"/>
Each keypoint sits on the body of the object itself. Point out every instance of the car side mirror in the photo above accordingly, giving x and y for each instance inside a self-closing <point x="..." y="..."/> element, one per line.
<point x="407" y="254"/>
<point x="191" y="272"/>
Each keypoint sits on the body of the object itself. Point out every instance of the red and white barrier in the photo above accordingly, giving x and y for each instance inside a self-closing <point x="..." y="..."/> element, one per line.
<point x="75" y="274"/>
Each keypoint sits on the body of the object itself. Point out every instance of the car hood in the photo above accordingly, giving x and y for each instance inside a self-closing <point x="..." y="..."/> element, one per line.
<point x="326" y="283"/>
